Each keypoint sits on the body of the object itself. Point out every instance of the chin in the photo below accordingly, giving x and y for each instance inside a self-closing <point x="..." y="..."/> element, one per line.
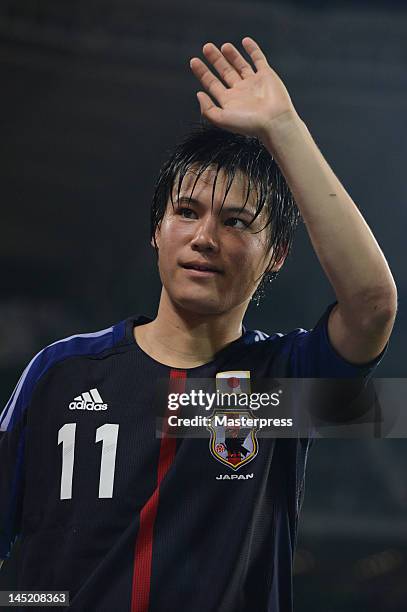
<point x="201" y="305"/>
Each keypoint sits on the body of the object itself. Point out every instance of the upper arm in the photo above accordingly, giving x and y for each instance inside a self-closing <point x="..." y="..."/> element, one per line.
<point x="357" y="342"/>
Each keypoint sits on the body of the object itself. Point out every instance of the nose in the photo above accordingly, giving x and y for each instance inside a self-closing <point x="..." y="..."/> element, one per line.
<point x="206" y="235"/>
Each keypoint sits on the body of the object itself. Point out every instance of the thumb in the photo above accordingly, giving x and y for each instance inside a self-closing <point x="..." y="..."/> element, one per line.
<point x="208" y="108"/>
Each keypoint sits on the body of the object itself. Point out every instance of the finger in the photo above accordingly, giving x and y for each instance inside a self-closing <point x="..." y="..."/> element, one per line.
<point x="256" y="54"/>
<point x="237" y="60"/>
<point x="227" y="72"/>
<point x="207" y="78"/>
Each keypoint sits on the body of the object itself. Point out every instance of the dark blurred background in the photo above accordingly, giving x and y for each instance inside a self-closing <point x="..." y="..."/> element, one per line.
<point x="93" y="95"/>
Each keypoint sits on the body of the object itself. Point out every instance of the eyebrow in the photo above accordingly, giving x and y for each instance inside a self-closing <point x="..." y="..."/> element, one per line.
<point x="229" y="209"/>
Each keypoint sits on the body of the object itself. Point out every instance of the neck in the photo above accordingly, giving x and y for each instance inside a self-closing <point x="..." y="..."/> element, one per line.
<point x="183" y="339"/>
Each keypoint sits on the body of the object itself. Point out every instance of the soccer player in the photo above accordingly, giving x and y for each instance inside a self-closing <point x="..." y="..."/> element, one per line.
<point x="127" y="520"/>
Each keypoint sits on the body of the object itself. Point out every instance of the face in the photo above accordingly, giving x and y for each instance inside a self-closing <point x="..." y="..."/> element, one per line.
<point x="210" y="261"/>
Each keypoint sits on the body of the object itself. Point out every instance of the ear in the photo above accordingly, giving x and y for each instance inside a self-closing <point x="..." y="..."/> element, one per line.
<point x="157" y="237"/>
<point x="279" y="261"/>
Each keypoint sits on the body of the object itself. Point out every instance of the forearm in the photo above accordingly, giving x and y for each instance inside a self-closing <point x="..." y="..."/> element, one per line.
<point x="343" y="242"/>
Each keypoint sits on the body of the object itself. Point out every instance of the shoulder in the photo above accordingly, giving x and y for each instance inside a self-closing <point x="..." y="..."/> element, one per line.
<point x="278" y="340"/>
<point x="271" y="354"/>
<point x="83" y="344"/>
<point x="296" y="339"/>
<point x="90" y="343"/>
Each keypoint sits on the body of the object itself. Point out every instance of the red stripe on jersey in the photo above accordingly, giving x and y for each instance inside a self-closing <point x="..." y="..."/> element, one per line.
<point x="144" y="544"/>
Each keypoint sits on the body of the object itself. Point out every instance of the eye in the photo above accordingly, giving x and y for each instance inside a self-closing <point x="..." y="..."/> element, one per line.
<point x="236" y="222"/>
<point x="186" y="212"/>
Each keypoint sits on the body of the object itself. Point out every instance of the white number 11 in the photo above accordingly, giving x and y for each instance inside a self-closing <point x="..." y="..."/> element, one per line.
<point x="107" y="434"/>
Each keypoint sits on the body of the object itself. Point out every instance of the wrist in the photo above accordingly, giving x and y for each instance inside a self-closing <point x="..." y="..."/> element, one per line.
<point x="282" y="129"/>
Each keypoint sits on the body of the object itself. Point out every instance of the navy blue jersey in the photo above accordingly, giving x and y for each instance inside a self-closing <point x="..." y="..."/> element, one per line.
<point x="125" y="520"/>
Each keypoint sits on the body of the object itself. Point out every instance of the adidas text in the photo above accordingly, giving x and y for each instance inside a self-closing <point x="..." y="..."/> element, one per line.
<point x="81" y="405"/>
<point x="89" y="400"/>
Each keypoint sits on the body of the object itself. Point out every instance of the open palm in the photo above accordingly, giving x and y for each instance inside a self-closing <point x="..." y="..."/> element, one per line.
<point x="247" y="99"/>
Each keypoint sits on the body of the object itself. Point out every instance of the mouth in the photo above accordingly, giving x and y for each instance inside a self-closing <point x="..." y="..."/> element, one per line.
<point x="201" y="269"/>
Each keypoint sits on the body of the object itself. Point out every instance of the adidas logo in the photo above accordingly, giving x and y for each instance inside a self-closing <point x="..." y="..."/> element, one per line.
<point x="90" y="400"/>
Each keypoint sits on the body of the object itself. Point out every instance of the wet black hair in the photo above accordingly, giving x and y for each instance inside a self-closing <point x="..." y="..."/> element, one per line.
<point x="207" y="146"/>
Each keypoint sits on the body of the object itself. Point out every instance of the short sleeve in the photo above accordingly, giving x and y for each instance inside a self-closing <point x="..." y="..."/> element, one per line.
<point x="313" y="356"/>
<point x="12" y="451"/>
<point x="13" y="423"/>
<point x="342" y="401"/>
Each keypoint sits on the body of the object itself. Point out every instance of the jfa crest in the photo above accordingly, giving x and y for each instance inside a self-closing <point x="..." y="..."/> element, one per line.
<point x="232" y="443"/>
